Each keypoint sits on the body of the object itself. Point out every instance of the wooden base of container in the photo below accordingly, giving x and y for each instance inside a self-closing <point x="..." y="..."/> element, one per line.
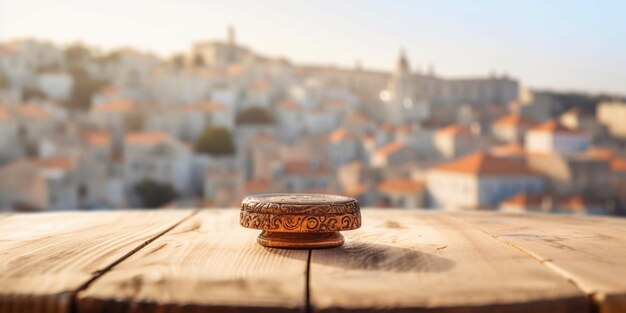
<point x="311" y="240"/>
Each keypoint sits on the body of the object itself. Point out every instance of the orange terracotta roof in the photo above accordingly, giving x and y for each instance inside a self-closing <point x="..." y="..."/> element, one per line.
<point x="618" y="165"/>
<point x="385" y="128"/>
<point x="355" y="191"/>
<point x="262" y="137"/>
<point x="33" y="111"/>
<point x="340" y="134"/>
<point x="512" y="149"/>
<point x="577" y="203"/>
<point x="523" y="199"/>
<point x="515" y="119"/>
<point x="357" y="117"/>
<point x="600" y="153"/>
<point x="208" y="106"/>
<point x="454" y="130"/>
<point x="390" y="148"/>
<point x="402" y="185"/>
<point x="319" y="111"/>
<point x="98" y="138"/>
<point x="145" y="138"/>
<point x="337" y="135"/>
<point x="4" y="114"/>
<point x="305" y="167"/>
<point x="553" y="126"/>
<point x="109" y="90"/>
<point x="62" y="163"/>
<point x="259" y="84"/>
<point x="258" y="186"/>
<point x="406" y="129"/>
<point x="289" y="105"/>
<point x="573" y="111"/>
<point x="236" y="70"/>
<point x="484" y="164"/>
<point x="335" y="103"/>
<point x="116" y="106"/>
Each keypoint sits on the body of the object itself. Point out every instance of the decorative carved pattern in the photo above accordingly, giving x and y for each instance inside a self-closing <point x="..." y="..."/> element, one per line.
<point x="300" y="223"/>
<point x="318" y="213"/>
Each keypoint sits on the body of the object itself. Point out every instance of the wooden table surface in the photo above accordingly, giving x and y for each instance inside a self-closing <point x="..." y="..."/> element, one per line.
<point x="399" y="261"/>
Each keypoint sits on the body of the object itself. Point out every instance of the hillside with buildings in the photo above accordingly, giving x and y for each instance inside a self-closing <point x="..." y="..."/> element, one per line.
<point x="84" y="130"/>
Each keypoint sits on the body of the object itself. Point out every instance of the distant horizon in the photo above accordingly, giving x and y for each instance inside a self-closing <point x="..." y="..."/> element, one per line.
<point x="569" y="46"/>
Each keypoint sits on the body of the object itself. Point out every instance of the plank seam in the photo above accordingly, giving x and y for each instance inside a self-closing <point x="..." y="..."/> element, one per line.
<point x="307" y="290"/>
<point x="594" y="305"/>
<point x="73" y="306"/>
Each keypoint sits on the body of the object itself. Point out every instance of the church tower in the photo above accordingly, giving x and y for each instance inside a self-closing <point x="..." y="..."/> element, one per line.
<point x="231" y="36"/>
<point x="401" y="104"/>
<point x="231" y="45"/>
<point x="401" y="91"/>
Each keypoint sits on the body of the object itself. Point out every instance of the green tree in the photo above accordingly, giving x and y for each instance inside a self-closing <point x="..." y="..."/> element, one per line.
<point x="254" y="116"/>
<point x="4" y="80"/>
<point x="153" y="194"/>
<point x="30" y="93"/>
<point x="178" y="61"/>
<point x="216" y="141"/>
<point x="135" y="122"/>
<point x="111" y="57"/>
<point x="198" y="61"/>
<point x="84" y="88"/>
<point x="77" y="55"/>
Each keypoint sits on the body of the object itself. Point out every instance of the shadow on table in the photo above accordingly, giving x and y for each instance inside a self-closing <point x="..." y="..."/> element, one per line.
<point x="378" y="257"/>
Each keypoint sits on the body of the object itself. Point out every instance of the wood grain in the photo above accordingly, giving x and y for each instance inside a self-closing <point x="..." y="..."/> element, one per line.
<point x="206" y="264"/>
<point x="46" y="257"/>
<point x="414" y="261"/>
<point x="591" y="251"/>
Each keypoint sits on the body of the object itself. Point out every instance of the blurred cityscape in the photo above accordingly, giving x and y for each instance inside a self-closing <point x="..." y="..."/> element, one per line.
<point x="81" y="129"/>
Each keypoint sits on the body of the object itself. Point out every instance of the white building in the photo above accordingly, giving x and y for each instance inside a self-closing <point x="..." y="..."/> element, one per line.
<point x="131" y="69"/>
<point x="114" y="117"/>
<point x="228" y="96"/>
<point x="613" y="114"/>
<point x="220" y="53"/>
<point x="34" y="123"/>
<point x="512" y="128"/>
<point x="258" y="94"/>
<point x="37" y="185"/>
<point x="223" y="187"/>
<point x="290" y="120"/>
<point x="343" y="147"/>
<point x="107" y="94"/>
<point x="169" y="87"/>
<point x="479" y="181"/>
<point x="305" y="176"/>
<point x="56" y="84"/>
<point x="454" y="141"/>
<point x="320" y="121"/>
<point x="159" y="157"/>
<point x="395" y="153"/>
<point x="403" y="193"/>
<point x="553" y="137"/>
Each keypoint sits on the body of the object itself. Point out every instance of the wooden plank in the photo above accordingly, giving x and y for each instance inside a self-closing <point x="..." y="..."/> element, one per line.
<point x="208" y="263"/>
<point x="4" y="215"/>
<point x="402" y="261"/>
<point x="46" y="257"/>
<point x="591" y="251"/>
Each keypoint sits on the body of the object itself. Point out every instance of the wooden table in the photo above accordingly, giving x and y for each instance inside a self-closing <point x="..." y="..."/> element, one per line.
<point x="399" y="261"/>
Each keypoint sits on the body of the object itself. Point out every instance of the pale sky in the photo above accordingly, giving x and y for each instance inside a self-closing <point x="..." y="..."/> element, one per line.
<point x="563" y="45"/>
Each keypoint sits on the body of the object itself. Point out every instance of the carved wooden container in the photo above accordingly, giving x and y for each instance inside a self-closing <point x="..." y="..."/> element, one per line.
<point x="300" y="221"/>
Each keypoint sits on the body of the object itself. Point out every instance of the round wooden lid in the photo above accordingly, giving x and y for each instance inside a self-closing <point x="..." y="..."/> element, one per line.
<point x="300" y="213"/>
